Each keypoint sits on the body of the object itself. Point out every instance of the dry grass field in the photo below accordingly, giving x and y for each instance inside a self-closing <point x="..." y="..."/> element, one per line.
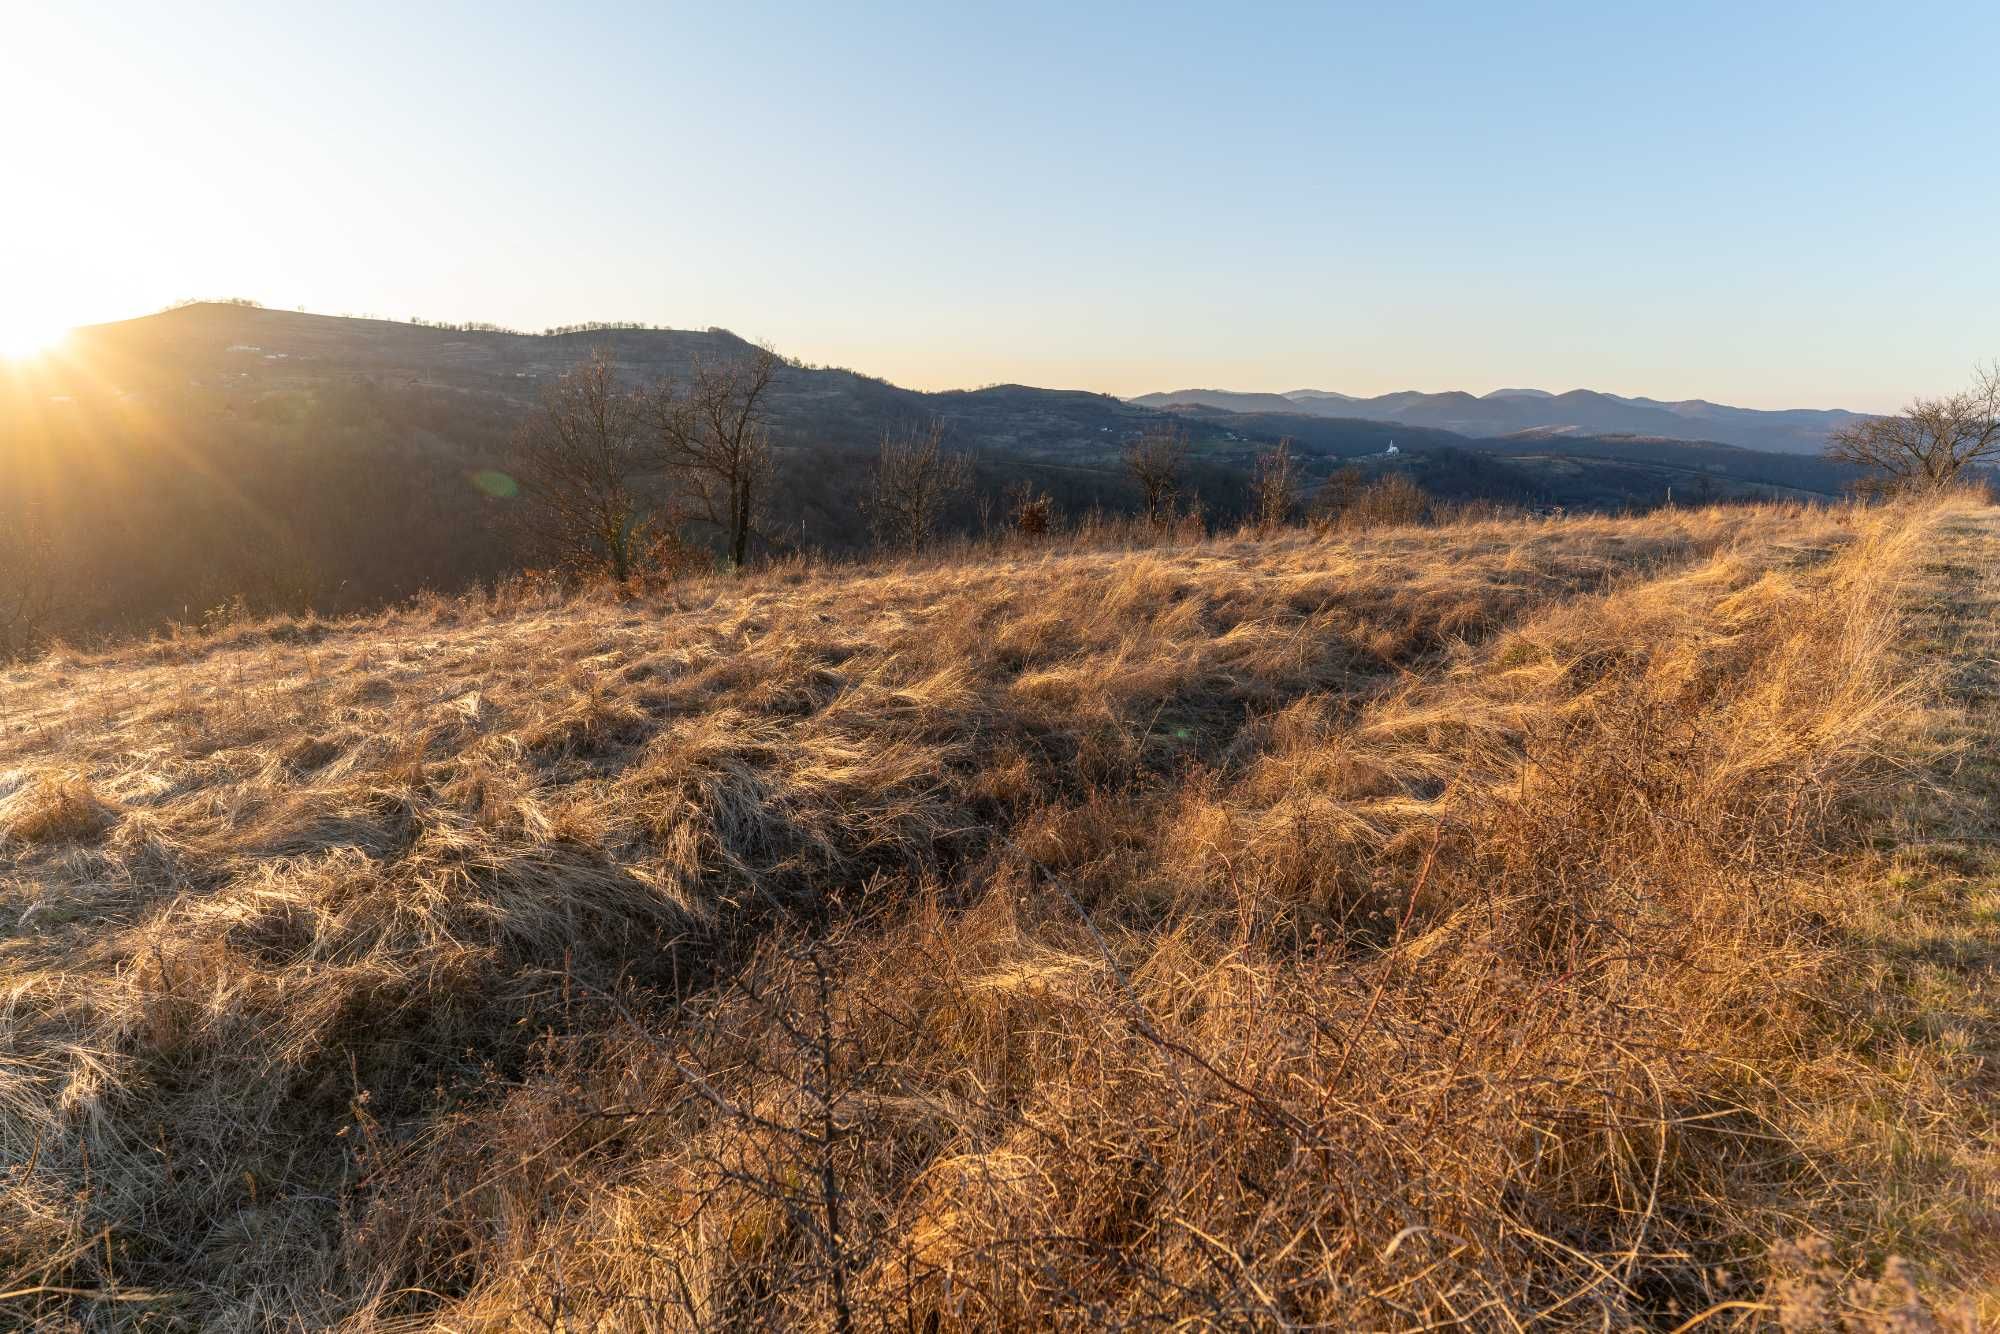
<point x="1515" y="924"/>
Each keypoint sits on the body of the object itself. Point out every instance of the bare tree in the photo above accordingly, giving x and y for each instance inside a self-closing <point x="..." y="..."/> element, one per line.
<point x="27" y="585"/>
<point x="583" y="457"/>
<point x="1930" y="442"/>
<point x="1155" y="461"/>
<point x="915" y="477"/>
<point x="713" y="437"/>
<point x="1274" y="490"/>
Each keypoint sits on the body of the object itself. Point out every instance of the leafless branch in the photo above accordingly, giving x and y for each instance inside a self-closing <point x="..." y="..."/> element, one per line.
<point x="1928" y="444"/>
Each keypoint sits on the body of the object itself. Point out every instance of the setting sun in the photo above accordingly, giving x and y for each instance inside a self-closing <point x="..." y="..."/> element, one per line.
<point x="27" y="339"/>
<point x="33" y="316"/>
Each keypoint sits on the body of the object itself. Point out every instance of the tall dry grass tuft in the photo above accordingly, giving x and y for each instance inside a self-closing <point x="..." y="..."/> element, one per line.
<point x="52" y="808"/>
<point x="1394" y="929"/>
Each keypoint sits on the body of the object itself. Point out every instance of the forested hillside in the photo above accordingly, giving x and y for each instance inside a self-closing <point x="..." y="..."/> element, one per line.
<point x="223" y="458"/>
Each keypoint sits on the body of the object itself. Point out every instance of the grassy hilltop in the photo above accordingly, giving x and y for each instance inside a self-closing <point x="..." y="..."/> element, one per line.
<point x="1580" y="923"/>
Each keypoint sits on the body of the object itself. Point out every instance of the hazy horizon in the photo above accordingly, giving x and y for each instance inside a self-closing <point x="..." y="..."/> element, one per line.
<point x="1697" y="204"/>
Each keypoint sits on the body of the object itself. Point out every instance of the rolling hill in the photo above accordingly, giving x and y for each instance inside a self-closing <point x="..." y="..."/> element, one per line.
<point x="251" y="349"/>
<point x="251" y="354"/>
<point x="220" y="454"/>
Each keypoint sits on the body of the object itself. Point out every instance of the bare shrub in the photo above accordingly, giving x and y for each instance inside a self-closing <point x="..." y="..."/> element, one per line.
<point x="669" y="557"/>
<point x="1192" y="526"/>
<point x="583" y="456"/>
<point x="1155" y="462"/>
<point x="1274" y="488"/>
<point x="1348" y="501"/>
<point x="1031" y="512"/>
<point x="1929" y="444"/>
<point x="916" y="477"/>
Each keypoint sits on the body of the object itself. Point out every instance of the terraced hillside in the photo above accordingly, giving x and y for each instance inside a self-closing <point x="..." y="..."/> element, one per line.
<point x="1573" y="923"/>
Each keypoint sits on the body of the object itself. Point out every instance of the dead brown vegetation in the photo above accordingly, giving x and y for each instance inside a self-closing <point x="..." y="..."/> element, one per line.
<point x="1155" y="462"/>
<point x="1927" y="446"/>
<point x="1401" y="929"/>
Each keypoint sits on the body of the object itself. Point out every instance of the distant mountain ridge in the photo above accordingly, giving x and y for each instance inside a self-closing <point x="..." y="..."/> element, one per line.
<point x="246" y="345"/>
<point x="1504" y="412"/>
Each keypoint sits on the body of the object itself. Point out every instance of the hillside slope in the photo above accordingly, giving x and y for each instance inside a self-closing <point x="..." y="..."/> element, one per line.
<point x="1388" y="928"/>
<point x="250" y="348"/>
<point x="221" y="459"/>
<point x="250" y="351"/>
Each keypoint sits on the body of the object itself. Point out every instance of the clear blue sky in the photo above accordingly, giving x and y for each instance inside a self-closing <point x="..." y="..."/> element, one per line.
<point x="1770" y="204"/>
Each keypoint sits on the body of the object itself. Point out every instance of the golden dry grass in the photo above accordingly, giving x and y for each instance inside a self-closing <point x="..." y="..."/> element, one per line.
<point x="1471" y="925"/>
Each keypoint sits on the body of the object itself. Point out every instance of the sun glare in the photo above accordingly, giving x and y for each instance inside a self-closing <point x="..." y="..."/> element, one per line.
<point x="27" y="339"/>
